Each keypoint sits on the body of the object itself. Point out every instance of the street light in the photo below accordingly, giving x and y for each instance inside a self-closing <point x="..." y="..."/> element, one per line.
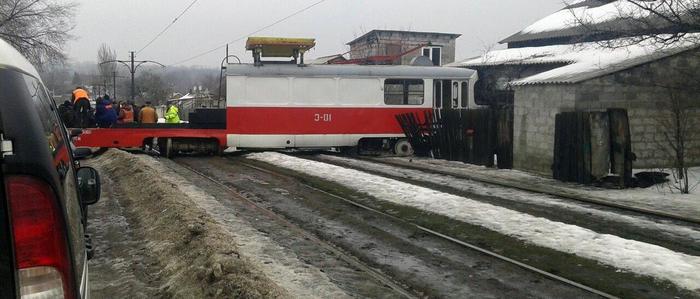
<point x="133" y="65"/>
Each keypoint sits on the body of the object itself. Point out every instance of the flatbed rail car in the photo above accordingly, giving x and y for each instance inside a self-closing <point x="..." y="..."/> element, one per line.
<point x="281" y="106"/>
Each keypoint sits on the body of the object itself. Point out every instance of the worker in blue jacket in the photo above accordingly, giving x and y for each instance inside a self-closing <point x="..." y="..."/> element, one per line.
<point x="105" y="114"/>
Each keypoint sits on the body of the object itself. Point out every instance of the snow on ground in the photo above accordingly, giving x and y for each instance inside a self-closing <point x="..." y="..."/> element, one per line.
<point x="519" y="196"/>
<point x="637" y="257"/>
<point x="200" y="246"/>
<point x="652" y="198"/>
<point x="280" y="265"/>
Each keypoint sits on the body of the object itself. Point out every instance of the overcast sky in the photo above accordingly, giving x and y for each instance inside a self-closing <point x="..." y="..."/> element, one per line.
<point x="129" y="24"/>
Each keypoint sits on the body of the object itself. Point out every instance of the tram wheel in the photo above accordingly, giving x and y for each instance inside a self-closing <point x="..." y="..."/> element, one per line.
<point x="403" y="148"/>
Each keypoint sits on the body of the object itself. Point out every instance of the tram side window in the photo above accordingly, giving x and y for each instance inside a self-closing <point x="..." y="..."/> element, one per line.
<point x="416" y="92"/>
<point x="404" y="92"/>
<point x="393" y="92"/>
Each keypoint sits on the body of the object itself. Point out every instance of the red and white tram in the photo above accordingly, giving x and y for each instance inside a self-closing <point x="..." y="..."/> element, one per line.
<point x="277" y="106"/>
<point x="286" y="106"/>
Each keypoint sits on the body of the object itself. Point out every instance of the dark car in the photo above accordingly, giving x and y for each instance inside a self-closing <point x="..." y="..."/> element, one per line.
<point x="43" y="247"/>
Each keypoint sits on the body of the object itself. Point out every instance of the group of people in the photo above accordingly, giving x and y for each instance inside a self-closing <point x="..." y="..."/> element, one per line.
<point x="78" y="112"/>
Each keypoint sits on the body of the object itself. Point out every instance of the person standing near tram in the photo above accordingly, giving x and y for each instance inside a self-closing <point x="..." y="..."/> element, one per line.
<point x="81" y="107"/>
<point x="172" y="116"/>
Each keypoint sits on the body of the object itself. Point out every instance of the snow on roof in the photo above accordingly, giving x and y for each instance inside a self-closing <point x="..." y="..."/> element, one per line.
<point x="569" y="17"/>
<point x="10" y="57"/>
<point x="188" y="96"/>
<point x="584" y="61"/>
<point x="566" y="22"/>
<point x="515" y="56"/>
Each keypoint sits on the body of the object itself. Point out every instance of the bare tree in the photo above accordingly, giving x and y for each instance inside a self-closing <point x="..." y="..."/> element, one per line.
<point x="151" y="86"/>
<point x="106" y="63"/>
<point x="657" y="25"/>
<point x="37" y="28"/>
<point x="661" y="22"/>
<point x="676" y="126"/>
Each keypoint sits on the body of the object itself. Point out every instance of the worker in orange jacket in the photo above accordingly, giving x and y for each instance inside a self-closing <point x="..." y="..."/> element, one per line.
<point x="148" y="114"/>
<point x="81" y="107"/>
<point x="126" y="113"/>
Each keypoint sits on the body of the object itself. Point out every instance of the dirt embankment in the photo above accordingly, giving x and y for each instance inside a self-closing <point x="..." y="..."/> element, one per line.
<point x="196" y="256"/>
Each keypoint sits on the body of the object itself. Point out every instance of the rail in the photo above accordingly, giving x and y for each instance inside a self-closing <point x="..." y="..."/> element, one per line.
<point x="539" y="188"/>
<point x="309" y="236"/>
<point x="446" y="237"/>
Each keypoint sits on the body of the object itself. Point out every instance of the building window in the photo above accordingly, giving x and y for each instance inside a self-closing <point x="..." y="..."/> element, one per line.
<point x="404" y="92"/>
<point x="434" y="53"/>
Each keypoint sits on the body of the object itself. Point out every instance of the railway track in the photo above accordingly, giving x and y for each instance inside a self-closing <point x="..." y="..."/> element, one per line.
<point x="676" y="235"/>
<point x="401" y="290"/>
<point x="536" y="188"/>
<point x="432" y="233"/>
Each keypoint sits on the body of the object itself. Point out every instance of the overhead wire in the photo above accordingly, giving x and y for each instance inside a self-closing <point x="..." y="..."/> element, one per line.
<point x="168" y="26"/>
<point x="251" y="33"/>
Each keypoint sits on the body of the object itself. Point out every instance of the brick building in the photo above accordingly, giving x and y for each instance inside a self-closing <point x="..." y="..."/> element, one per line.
<point x="547" y="70"/>
<point x="439" y="47"/>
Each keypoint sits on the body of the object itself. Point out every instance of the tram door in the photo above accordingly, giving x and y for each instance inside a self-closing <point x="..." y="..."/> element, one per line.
<point x="451" y="94"/>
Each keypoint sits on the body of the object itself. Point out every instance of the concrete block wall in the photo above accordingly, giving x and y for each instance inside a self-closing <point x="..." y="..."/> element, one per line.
<point x="534" y="121"/>
<point x="635" y="89"/>
<point x="407" y="40"/>
<point x="648" y="106"/>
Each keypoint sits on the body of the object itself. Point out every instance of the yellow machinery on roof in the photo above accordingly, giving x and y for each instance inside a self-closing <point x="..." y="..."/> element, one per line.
<point x="279" y="47"/>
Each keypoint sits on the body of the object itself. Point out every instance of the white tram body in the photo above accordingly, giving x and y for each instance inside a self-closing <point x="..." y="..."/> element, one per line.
<point x="318" y="106"/>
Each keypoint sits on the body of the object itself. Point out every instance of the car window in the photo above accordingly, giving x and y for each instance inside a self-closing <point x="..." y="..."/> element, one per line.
<point x="47" y="115"/>
<point x="57" y="141"/>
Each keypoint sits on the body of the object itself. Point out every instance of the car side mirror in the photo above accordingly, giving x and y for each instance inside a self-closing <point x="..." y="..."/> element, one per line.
<point x="88" y="185"/>
<point x="75" y="133"/>
<point x="80" y="153"/>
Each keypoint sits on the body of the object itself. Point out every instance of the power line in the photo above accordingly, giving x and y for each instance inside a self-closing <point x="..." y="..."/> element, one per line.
<point x="167" y="27"/>
<point x="249" y="34"/>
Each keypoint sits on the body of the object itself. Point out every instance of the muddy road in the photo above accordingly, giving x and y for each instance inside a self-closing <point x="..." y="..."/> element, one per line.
<point x="119" y="269"/>
<point x="235" y="227"/>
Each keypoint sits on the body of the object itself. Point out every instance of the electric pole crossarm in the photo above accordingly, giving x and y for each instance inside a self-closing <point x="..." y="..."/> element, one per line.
<point x="133" y="65"/>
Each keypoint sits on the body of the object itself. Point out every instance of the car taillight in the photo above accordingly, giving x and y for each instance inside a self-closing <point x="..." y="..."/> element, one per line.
<point x="41" y="249"/>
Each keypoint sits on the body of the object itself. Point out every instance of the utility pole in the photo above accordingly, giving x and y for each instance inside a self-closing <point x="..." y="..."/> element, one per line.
<point x="133" y="65"/>
<point x="133" y="73"/>
<point x="114" y="84"/>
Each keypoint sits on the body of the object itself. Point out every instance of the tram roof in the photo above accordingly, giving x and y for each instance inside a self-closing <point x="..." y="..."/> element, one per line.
<point x="378" y="71"/>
